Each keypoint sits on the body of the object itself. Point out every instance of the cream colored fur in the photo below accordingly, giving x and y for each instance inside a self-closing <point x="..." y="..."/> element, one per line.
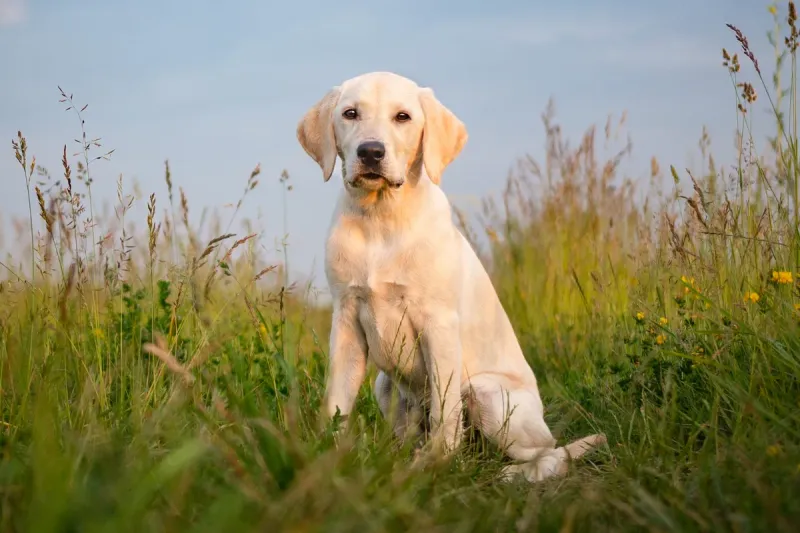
<point x="409" y="293"/>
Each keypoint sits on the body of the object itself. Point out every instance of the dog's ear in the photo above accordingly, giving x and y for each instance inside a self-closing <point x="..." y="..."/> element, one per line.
<point x="443" y="135"/>
<point x="316" y="134"/>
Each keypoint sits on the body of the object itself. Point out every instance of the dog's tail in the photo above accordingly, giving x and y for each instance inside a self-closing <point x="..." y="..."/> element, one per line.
<point x="578" y="448"/>
<point x="569" y="452"/>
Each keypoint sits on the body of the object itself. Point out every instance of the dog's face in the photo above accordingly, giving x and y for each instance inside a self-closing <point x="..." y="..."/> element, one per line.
<point x="384" y="127"/>
<point x="378" y="122"/>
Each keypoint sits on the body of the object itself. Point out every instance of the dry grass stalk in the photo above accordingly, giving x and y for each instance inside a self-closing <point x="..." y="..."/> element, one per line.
<point x="159" y="349"/>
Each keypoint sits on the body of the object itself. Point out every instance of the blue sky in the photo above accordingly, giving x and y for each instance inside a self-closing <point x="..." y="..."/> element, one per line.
<point x="218" y="89"/>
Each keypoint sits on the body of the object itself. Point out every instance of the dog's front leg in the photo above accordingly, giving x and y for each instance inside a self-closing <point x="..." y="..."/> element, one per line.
<point x="347" y="362"/>
<point x="441" y="346"/>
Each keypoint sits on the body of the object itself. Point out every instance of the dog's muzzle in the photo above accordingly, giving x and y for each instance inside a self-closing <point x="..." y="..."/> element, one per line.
<point x="369" y="170"/>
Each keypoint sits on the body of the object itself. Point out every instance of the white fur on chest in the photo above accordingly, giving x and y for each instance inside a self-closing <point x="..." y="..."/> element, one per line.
<point x="380" y="278"/>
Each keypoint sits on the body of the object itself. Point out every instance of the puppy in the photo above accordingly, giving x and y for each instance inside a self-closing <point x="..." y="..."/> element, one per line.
<point x="409" y="292"/>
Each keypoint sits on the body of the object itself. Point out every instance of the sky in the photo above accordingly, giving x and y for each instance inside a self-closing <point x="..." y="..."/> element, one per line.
<point x="217" y="88"/>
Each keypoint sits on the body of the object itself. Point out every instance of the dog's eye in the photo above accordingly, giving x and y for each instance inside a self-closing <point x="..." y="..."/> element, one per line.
<point x="350" y="114"/>
<point x="402" y="117"/>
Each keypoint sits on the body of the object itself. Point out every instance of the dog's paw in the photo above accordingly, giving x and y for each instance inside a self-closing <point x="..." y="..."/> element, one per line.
<point x="511" y="473"/>
<point x="547" y="465"/>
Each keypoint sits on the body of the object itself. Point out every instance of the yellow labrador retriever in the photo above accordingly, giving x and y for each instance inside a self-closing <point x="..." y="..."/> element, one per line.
<point x="408" y="291"/>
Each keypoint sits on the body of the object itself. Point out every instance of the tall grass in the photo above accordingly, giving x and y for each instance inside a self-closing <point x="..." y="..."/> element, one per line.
<point x="170" y="380"/>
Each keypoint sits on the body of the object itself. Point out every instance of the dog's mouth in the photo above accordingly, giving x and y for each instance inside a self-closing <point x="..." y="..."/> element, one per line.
<point x="374" y="178"/>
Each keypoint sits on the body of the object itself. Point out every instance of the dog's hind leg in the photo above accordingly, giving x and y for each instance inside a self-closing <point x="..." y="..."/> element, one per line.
<point x="513" y="418"/>
<point x="399" y="408"/>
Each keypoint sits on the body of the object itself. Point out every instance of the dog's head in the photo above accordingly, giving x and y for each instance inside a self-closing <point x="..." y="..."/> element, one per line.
<point x="384" y="127"/>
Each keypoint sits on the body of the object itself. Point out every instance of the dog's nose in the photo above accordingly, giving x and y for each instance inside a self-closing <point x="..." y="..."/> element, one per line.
<point x="371" y="152"/>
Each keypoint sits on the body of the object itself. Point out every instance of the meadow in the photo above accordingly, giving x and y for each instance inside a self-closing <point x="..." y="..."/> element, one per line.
<point x="167" y="379"/>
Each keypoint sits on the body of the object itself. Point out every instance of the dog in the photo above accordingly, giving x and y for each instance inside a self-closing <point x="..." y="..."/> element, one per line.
<point x="409" y="292"/>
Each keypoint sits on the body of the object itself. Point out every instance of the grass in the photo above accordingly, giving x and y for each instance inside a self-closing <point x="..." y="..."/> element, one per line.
<point x="168" y="380"/>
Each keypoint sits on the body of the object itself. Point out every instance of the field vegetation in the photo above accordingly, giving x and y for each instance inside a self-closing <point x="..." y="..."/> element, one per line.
<point x="160" y="377"/>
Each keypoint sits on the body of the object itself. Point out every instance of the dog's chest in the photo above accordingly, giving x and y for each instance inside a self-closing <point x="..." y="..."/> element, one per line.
<point x="381" y="281"/>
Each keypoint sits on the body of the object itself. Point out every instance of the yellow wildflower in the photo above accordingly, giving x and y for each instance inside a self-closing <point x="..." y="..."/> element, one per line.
<point x="751" y="297"/>
<point x="639" y="316"/>
<point x="663" y="321"/>
<point x="773" y="450"/>
<point x="782" y="277"/>
<point x="690" y="283"/>
<point x="773" y="10"/>
<point x="660" y="339"/>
